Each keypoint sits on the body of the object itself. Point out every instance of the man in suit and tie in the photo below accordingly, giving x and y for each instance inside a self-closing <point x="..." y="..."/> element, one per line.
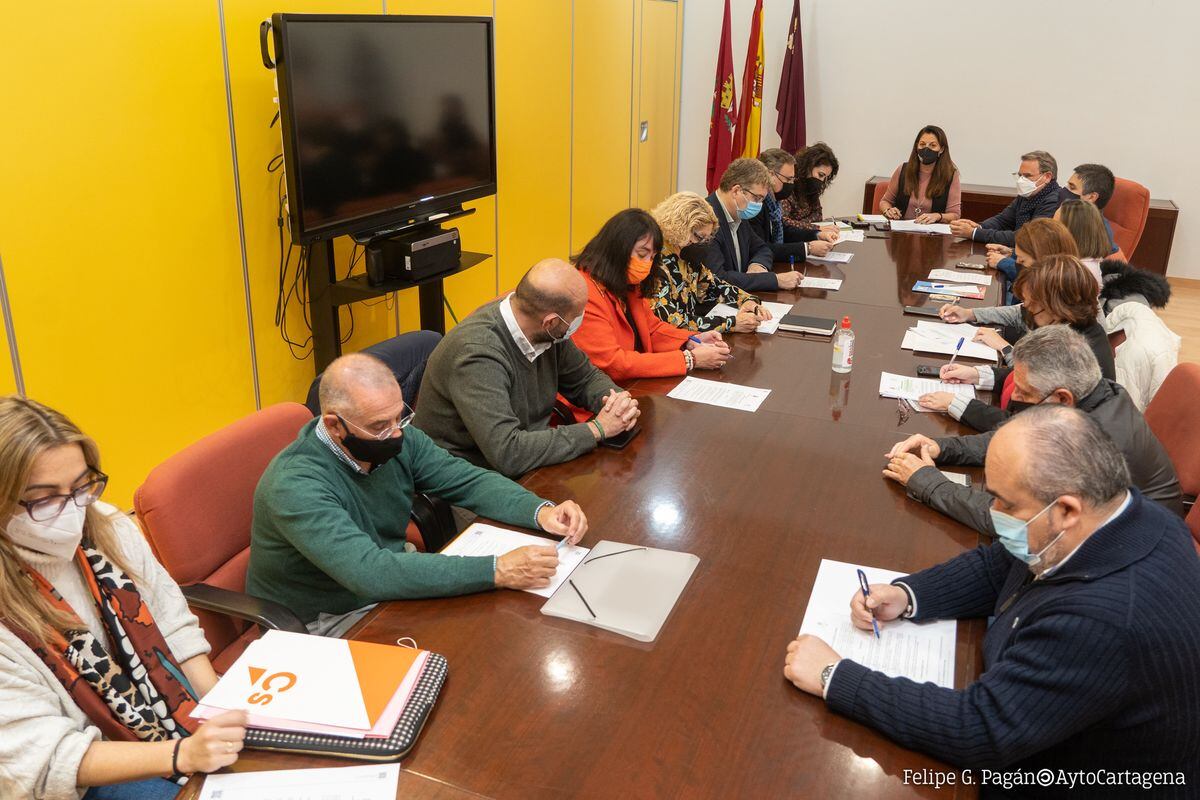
<point x="737" y="254"/>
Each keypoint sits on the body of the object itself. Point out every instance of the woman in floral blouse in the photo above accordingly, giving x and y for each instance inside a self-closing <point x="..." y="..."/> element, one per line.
<point x="684" y="290"/>
<point x="816" y="167"/>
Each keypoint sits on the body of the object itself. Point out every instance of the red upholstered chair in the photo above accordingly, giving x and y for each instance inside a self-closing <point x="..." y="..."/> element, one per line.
<point x="880" y="191"/>
<point x="1175" y="420"/>
<point x="1127" y="211"/>
<point x="196" y="510"/>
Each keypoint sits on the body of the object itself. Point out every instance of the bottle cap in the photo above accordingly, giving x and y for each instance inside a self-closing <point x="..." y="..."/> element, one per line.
<point x="845" y="322"/>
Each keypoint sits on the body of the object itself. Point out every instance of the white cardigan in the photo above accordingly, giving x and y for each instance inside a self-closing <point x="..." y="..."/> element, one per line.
<point x="43" y="734"/>
<point x="1150" y="350"/>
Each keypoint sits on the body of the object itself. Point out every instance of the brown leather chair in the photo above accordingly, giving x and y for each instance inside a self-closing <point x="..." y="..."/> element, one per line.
<point x="196" y="509"/>
<point x="1126" y="212"/>
<point x="880" y="191"/>
<point x="1175" y="420"/>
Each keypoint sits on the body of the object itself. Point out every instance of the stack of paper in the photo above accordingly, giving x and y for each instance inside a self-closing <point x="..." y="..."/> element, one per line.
<point x="959" y="277"/>
<point x="313" y="684"/>
<point x="832" y="257"/>
<point x="908" y="226"/>
<point x="488" y="540"/>
<point x="715" y="393"/>
<point x="909" y="388"/>
<point x="828" y="284"/>
<point x="849" y="236"/>
<point x="372" y="782"/>
<point x="942" y="337"/>
<point x="778" y="311"/>
<point x="837" y="223"/>
<point x="969" y="290"/>
<point x="872" y="218"/>
<point x="921" y="651"/>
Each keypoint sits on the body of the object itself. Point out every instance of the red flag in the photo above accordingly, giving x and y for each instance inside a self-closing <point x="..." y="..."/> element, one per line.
<point x="724" y="111"/>
<point x="790" y="105"/>
<point x="746" y="137"/>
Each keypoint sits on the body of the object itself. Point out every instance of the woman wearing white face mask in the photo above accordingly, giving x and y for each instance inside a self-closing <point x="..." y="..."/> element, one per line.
<point x="926" y="187"/>
<point x="101" y="662"/>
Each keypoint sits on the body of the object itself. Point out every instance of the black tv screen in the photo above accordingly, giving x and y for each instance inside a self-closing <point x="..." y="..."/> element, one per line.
<point x="385" y="118"/>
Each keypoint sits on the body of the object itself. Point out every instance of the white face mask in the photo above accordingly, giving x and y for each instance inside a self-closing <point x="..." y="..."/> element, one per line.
<point x="58" y="537"/>
<point x="1025" y="187"/>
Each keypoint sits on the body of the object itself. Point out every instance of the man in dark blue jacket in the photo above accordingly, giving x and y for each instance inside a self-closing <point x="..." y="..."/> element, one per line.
<point x="1038" y="196"/>
<point x="737" y="254"/>
<point x="1090" y="661"/>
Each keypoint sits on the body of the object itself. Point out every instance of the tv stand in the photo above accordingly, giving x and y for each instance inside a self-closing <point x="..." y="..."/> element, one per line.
<point x="326" y="293"/>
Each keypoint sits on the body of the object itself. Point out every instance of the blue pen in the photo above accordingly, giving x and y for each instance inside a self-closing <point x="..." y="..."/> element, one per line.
<point x="956" y="349"/>
<point x="562" y="545"/>
<point x="862" y="581"/>
<point x="696" y="339"/>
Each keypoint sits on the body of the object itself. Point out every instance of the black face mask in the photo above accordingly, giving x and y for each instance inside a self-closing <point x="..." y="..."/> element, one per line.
<point x="928" y="156"/>
<point x="785" y="191"/>
<point x="693" y="254"/>
<point x="1017" y="406"/>
<point x="812" y="185"/>
<point x="375" y="452"/>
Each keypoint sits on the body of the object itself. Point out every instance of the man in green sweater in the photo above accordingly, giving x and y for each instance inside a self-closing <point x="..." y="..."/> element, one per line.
<point x="490" y="385"/>
<point x="330" y="512"/>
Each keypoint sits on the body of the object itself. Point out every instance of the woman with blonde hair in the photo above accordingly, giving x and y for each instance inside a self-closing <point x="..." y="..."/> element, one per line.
<point x="681" y="289"/>
<point x="101" y="662"/>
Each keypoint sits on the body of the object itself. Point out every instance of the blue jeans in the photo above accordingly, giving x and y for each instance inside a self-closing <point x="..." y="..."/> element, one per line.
<point x="153" y="789"/>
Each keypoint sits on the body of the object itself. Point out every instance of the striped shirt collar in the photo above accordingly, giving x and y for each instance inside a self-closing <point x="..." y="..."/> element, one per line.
<point x="324" y="436"/>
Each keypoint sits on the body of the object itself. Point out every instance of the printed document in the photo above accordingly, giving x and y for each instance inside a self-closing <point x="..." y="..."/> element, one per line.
<point x="371" y="782"/>
<point x="942" y="337"/>
<point x="832" y="257"/>
<point x="922" y="651"/>
<point x="488" y="540"/>
<point x="959" y="277"/>
<point x="829" y="284"/>
<point x="715" y="393"/>
<point x="778" y="312"/>
<point x="911" y="388"/>
<point x="908" y="226"/>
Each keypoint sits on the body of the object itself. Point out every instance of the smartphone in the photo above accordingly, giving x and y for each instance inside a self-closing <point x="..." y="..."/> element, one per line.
<point x="926" y="371"/>
<point x="922" y="311"/>
<point x="619" y="441"/>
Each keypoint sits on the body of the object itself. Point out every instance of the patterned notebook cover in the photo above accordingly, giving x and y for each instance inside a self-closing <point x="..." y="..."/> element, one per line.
<point x="396" y="746"/>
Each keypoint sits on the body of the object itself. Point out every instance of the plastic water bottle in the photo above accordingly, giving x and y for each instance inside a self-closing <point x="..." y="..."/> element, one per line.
<point x="843" y="347"/>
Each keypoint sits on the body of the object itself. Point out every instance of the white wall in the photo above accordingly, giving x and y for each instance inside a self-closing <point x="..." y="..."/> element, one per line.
<point x="1001" y="76"/>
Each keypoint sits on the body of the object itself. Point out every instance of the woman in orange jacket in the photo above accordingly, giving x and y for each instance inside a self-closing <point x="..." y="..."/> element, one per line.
<point x="620" y="334"/>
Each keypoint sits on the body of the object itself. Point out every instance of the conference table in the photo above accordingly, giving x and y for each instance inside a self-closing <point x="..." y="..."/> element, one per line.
<point x="542" y="707"/>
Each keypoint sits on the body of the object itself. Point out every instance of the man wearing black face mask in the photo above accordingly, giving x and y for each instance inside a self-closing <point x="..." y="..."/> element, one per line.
<point x="331" y="510"/>
<point x="786" y="241"/>
<point x="1051" y="365"/>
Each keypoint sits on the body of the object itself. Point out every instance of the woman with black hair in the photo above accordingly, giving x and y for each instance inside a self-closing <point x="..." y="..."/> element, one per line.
<point x="816" y="167"/>
<point x="620" y="333"/>
<point x="925" y="188"/>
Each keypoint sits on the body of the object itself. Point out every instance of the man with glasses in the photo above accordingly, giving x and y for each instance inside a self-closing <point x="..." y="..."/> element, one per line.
<point x="787" y="241"/>
<point x="1038" y="195"/>
<point x="491" y="384"/>
<point x="737" y="253"/>
<point x="332" y="509"/>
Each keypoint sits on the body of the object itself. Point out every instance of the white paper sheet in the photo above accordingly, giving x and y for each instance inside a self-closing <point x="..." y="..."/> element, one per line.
<point x="778" y="311"/>
<point x="850" y="236"/>
<point x="830" y="284"/>
<point x="909" y="226"/>
<point x="911" y="388"/>
<point x="832" y="257"/>
<point x="872" y="218"/>
<point x="488" y="540"/>
<point x="370" y="782"/>
<point x="942" y="337"/>
<point x="959" y="277"/>
<point x="715" y="393"/>
<point x="920" y="651"/>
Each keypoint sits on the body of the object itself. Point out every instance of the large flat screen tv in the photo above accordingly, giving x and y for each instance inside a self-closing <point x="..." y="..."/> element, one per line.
<point x="385" y="119"/>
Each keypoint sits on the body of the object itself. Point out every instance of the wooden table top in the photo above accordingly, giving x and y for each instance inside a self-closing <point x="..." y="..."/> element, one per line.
<point x="541" y="707"/>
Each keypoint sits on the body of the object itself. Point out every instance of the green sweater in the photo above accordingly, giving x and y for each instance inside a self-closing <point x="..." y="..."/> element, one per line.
<point x="326" y="538"/>
<point x="484" y="401"/>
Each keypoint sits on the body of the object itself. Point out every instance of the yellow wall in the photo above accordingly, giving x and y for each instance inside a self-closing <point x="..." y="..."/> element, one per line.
<point x="119" y="218"/>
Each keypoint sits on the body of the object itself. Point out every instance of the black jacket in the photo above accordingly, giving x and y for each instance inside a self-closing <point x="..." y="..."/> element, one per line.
<point x="985" y="417"/>
<point x="793" y="246"/>
<point x="721" y="260"/>
<point x="1150" y="469"/>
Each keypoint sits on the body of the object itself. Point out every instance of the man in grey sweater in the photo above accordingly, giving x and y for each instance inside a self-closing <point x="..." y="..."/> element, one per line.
<point x="490" y="386"/>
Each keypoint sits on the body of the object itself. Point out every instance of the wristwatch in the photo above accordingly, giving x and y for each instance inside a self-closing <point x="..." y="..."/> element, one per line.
<point x="1006" y="352"/>
<point x="826" y="674"/>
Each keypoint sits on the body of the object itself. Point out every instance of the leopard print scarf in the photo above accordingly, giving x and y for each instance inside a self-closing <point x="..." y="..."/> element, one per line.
<point x="138" y="692"/>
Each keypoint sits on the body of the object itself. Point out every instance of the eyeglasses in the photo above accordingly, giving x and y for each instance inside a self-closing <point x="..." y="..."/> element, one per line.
<point x="783" y="177"/>
<point x="698" y="239"/>
<point x="47" y="508"/>
<point x="758" y="198"/>
<point x="406" y="418"/>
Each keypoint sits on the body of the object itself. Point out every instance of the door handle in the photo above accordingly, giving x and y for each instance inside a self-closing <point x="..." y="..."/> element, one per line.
<point x="644" y="131"/>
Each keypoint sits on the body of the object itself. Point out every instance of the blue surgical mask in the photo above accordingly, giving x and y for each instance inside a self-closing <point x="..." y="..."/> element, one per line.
<point x="751" y="210"/>
<point x="1013" y="533"/>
